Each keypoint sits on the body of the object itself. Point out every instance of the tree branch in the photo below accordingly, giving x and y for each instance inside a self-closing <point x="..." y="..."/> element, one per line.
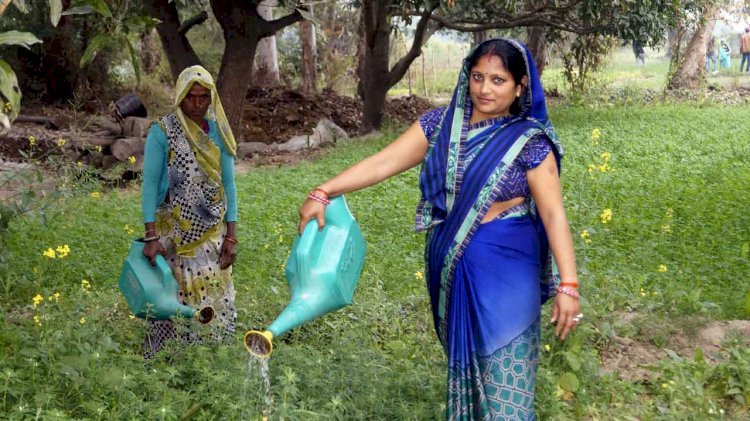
<point x="518" y="21"/>
<point x="421" y="35"/>
<point x="194" y="21"/>
<point x="271" y="27"/>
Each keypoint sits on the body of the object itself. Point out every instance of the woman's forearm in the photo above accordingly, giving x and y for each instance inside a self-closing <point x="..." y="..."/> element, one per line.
<point x="403" y="153"/>
<point x="561" y="243"/>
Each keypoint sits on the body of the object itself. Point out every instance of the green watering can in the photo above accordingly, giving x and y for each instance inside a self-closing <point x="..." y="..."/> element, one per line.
<point x="151" y="291"/>
<point x="322" y="272"/>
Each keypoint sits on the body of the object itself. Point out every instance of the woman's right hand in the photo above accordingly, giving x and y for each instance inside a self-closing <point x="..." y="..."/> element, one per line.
<point x="151" y="249"/>
<point x="309" y="210"/>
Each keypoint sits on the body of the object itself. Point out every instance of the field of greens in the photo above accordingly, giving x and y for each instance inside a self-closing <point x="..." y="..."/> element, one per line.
<point x="657" y="197"/>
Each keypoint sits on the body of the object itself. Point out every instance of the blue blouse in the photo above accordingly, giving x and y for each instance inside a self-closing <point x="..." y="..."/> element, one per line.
<point x="156" y="182"/>
<point x="514" y="182"/>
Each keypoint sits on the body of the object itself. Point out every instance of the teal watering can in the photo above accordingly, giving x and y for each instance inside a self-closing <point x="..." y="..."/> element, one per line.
<point x="151" y="291"/>
<point x="322" y="272"/>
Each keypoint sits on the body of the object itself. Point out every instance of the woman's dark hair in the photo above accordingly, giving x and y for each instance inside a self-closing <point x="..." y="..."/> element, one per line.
<point x="513" y="61"/>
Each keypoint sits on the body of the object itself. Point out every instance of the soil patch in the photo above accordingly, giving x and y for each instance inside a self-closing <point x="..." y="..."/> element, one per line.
<point x="632" y="359"/>
<point x="275" y="115"/>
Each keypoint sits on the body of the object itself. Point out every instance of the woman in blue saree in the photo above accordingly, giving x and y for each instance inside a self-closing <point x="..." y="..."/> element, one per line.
<point x="498" y="243"/>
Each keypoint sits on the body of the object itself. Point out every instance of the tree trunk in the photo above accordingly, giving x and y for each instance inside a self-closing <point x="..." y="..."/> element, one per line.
<point x="375" y="64"/>
<point x="243" y="28"/>
<point x="236" y="63"/>
<point x="180" y="53"/>
<point x="309" y="57"/>
<point x="479" y="37"/>
<point x="361" y="41"/>
<point x="376" y="77"/>
<point x="266" y="68"/>
<point x="150" y="54"/>
<point x="538" y="46"/>
<point x="691" y="70"/>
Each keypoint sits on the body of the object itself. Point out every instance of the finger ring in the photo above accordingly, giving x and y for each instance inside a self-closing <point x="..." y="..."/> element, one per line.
<point x="577" y="318"/>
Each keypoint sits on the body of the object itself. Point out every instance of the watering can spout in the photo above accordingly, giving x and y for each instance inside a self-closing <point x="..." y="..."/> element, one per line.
<point x="259" y="344"/>
<point x="322" y="272"/>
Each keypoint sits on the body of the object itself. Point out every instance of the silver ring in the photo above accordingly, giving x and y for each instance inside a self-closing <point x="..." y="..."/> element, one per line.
<point x="577" y="318"/>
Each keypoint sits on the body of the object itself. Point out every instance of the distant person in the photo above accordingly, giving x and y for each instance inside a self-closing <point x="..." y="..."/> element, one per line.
<point x="745" y="50"/>
<point x="640" y="54"/>
<point x="724" y="54"/>
<point x="491" y="204"/>
<point x="711" y="55"/>
<point x="189" y="204"/>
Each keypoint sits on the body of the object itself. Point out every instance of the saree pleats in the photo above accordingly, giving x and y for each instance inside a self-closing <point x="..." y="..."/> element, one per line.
<point x="493" y="331"/>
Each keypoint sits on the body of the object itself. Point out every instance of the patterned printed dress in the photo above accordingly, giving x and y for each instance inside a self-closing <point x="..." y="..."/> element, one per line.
<point x="190" y="224"/>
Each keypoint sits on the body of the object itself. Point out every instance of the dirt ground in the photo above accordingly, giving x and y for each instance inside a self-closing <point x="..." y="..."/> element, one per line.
<point x="275" y="115"/>
<point x="270" y="116"/>
<point x="631" y="358"/>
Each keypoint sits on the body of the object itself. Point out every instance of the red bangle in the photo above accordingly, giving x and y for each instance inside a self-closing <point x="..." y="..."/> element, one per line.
<point x="230" y="239"/>
<point x="313" y="196"/>
<point x="322" y="191"/>
<point x="569" y="284"/>
<point x="569" y="291"/>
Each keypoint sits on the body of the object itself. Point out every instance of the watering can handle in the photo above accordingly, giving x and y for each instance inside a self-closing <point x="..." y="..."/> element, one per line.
<point x="164" y="270"/>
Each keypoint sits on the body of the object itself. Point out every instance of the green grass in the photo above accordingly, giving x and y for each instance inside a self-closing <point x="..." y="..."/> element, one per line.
<point x="379" y="358"/>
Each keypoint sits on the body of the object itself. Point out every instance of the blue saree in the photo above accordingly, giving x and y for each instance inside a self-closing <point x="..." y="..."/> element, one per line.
<point x="487" y="282"/>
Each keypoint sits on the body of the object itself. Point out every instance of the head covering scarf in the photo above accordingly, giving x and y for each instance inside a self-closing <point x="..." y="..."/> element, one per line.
<point x="456" y="194"/>
<point x="197" y="74"/>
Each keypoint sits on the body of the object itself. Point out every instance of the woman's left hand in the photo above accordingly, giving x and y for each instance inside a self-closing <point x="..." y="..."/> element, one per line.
<point x="228" y="254"/>
<point x="564" y="311"/>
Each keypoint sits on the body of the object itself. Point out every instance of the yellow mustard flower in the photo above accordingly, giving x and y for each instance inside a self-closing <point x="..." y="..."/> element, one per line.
<point x="32" y="140"/>
<point x="99" y="148"/>
<point x="585" y="234"/>
<point x="82" y="320"/>
<point x="670" y="212"/>
<point x="591" y="168"/>
<point x="666" y="229"/>
<point x="94" y="194"/>
<point x="8" y="107"/>
<point x="85" y="284"/>
<point x="37" y="299"/>
<point x="596" y="134"/>
<point x="606" y="216"/>
<point x="419" y="275"/>
<point x="62" y="251"/>
<point x="131" y="160"/>
<point x="131" y="315"/>
<point x="662" y="268"/>
<point x="49" y="253"/>
<point x="128" y="230"/>
<point x="603" y="168"/>
<point x="605" y="156"/>
<point x="547" y="347"/>
<point x="38" y="320"/>
<point x="61" y="142"/>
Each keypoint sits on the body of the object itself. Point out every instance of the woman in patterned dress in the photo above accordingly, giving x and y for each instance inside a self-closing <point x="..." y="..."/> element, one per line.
<point x="189" y="204"/>
<point x="496" y="227"/>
